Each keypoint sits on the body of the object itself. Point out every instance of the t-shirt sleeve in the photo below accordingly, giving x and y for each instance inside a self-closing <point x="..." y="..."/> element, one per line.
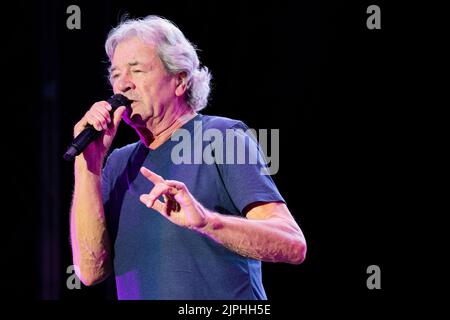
<point x="245" y="178"/>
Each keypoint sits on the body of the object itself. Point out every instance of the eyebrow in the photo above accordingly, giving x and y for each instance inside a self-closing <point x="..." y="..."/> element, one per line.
<point x="131" y="64"/>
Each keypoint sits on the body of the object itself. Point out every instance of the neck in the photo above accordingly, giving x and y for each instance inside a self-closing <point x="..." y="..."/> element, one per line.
<point x="159" y="130"/>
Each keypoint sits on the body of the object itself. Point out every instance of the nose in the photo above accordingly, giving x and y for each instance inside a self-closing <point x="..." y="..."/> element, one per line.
<point x="125" y="84"/>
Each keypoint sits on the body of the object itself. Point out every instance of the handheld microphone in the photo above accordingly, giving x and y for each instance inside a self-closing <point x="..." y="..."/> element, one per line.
<point x="89" y="134"/>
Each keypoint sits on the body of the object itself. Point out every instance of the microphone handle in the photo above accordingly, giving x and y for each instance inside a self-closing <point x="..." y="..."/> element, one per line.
<point x="81" y="141"/>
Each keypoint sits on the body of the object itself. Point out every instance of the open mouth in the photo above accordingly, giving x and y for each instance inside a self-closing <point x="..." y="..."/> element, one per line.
<point x="131" y="99"/>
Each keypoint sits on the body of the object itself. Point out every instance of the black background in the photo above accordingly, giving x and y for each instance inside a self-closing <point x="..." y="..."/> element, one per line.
<point x="309" y="68"/>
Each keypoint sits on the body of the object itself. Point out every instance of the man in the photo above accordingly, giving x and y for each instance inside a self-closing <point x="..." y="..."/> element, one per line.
<point x="168" y="230"/>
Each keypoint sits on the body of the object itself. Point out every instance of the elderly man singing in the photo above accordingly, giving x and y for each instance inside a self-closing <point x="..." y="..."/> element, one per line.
<point x="164" y="229"/>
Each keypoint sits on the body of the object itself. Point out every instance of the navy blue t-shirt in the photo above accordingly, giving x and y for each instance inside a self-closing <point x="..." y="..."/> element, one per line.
<point x="156" y="259"/>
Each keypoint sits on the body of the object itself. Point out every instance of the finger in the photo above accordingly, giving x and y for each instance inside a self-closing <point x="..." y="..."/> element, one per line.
<point x="162" y="189"/>
<point x="80" y="126"/>
<point x="93" y="121"/>
<point x="150" y="175"/>
<point x="98" y="116"/>
<point x="157" y="205"/>
<point x="176" y="184"/>
<point x="157" y="191"/>
<point x="101" y="120"/>
<point x="103" y="110"/>
<point x="160" y="207"/>
<point x="117" y="117"/>
<point x="102" y="104"/>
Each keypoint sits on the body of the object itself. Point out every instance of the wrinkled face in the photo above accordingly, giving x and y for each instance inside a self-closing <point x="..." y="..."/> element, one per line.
<point x="138" y="73"/>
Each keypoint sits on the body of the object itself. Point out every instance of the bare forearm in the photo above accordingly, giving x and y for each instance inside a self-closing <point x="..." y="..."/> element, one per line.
<point x="90" y="241"/>
<point x="271" y="240"/>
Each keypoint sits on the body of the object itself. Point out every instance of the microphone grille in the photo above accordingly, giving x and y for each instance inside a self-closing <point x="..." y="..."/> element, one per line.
<point x="118" y="100"/>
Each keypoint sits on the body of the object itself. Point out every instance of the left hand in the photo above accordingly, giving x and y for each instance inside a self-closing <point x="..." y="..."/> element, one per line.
<point x="179" y="206"/>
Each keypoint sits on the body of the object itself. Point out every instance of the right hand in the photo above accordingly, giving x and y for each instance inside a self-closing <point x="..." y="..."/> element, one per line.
<point x="98" y="116"/>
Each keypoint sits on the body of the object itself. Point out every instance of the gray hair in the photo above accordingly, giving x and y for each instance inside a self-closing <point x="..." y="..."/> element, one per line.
<point x="175" y="51"/>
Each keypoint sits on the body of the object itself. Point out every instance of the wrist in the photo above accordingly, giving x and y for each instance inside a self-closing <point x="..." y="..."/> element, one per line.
<point x="212" y="222"/>
<point x="93" y="166"/>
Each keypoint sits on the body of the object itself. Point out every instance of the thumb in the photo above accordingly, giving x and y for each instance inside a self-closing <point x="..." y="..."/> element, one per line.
<point x="118" y="115"/>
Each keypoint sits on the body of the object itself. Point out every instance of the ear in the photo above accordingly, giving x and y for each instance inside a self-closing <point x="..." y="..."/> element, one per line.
<point x="181" y="83"/>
